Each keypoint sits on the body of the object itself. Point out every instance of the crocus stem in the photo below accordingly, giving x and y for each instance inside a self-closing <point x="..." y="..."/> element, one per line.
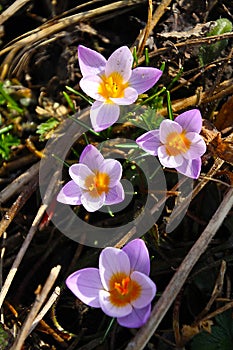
<point x="108" y="329"/>
<point x="169" y="106"/>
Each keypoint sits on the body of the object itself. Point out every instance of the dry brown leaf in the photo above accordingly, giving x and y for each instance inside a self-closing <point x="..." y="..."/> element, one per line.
<point x="224" y="118"/>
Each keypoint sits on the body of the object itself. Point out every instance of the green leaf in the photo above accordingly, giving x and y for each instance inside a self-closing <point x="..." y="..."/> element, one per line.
<point x="221" y="336"/>
<point x="5" y="337"/>
<point x="208" y="53"/>
<point x="44" y="128"/>
<point x="148" y="120"/>
<point x="6" y="142"/>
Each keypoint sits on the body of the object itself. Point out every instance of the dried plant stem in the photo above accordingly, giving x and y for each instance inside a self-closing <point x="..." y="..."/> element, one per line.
<point x="146" y="31"/>
<point x="192" y="42"/>
<point x="151" y="24"/>
<point x="40" y="298"/>
<point x="218" y="311"/>
<point x="3" y="249"/>
<point x="224" y="89"/>
<point x="48" y="29"/>
<point x="213" y="170"/>
<point x="31" y="233"/>
<point x="17" y="184"/>
<point x="179" y="278"/>
<point x="11" y="10"/>
<point x="45" y="309"/>
<point x="21" y="253"/>
<point x="18" y="204"/>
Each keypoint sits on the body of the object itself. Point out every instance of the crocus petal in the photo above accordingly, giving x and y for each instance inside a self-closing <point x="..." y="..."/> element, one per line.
<point x="136" y="319"/>
<point x="166" y="127"/>
<point x="111" y="309"/>
<point x="121" y="62"/>
<point x="90" y="85"/>
<point x="130" y="96"/>
<point x="86" y="284"/>
<point x="112" y="261"/>
<point x="190" y="168"/>
<point x="191" y="121"/>
<point x="92" y="203"/>
<point x="70" y="194"/>
<point x="138" y="256"/>
<point x="79" y="173"/>
<point x="167" y="160"/>
<point x="90" y="61"/>
<point x="148" y="289"/>
<point x="114" y="169"/>
<point x="103" y="115"/>
<point x="149" y="142"/>
<point x="197" y="146"/>
<point x="142" y="78"/>
<point x="92" y="157"/>
<point x="115" y="195"/>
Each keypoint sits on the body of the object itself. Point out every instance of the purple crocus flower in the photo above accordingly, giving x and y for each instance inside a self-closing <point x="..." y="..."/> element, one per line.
<point x="112" y="83"/>
<point x="121" y="286"/>
<point x="177" y="143"/>
<point x="95" y="181"/>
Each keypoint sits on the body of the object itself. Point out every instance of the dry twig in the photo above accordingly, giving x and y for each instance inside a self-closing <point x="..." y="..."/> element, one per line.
<point x="47" y="197"/>
<point x="40" y="298"/>
<point x="11" y="10"/>
<point x="16" y="185"/>
<point x="179" y="278"/>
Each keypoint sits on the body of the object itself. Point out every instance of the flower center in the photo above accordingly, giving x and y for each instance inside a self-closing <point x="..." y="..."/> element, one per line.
<point x="112" y="86"/>
<point x="123" y="290"/>
<point x="177" y="143"/>
<point x="97" y="184"/>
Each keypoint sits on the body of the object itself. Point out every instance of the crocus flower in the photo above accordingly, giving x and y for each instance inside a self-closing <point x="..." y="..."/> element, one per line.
<point x="177" y="143"/>
<point x="121" y="286"/>
<point x="112" y="83"/>
<point x="95" y="181"/>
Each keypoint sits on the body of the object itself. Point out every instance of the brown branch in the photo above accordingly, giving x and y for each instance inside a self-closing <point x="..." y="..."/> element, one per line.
<point x="11" y="10"/>
<point x="40" y="298"/>
<point x="18" y="204"/>
<point x="179" y="278"/>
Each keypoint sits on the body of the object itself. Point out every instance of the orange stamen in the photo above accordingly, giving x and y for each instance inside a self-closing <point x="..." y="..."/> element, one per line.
<point x="123" y="290"/>
<point x="97" y="184"/>
<point x="112" y="86"/>
<point x="177" y="143"/>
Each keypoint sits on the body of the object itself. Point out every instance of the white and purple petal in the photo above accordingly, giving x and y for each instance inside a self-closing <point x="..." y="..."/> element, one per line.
<point x="115" y="195"/>
<point x="114" y="169"/>
<point x="91" y="157"/>
<point x="190" y="168"/>
<point x="149" y="142"/>
<point x="167" y="127"/>
<point x="90" y="61"/>
<point x="197" y="146"/>
<point x="136" y="319"/>
<point x="86" y="284"/>
<point x="110" y="309"/>
<point x="79" y="173"/>
<point x="147" y="292"/>
<point x="138" y="256"/>
<point x="120" y="61"/>
<point x="168" y="160"/>
<point x="191" y="121"/>
<point x="92" y="201"/>
<point x="91" y="85"/>
<point x="70" y="194"/>
<point x="103" y="115"/>
<point x="112" y="261"/>
<point x="130" y="96"/>
<point x="143" y="78"/>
